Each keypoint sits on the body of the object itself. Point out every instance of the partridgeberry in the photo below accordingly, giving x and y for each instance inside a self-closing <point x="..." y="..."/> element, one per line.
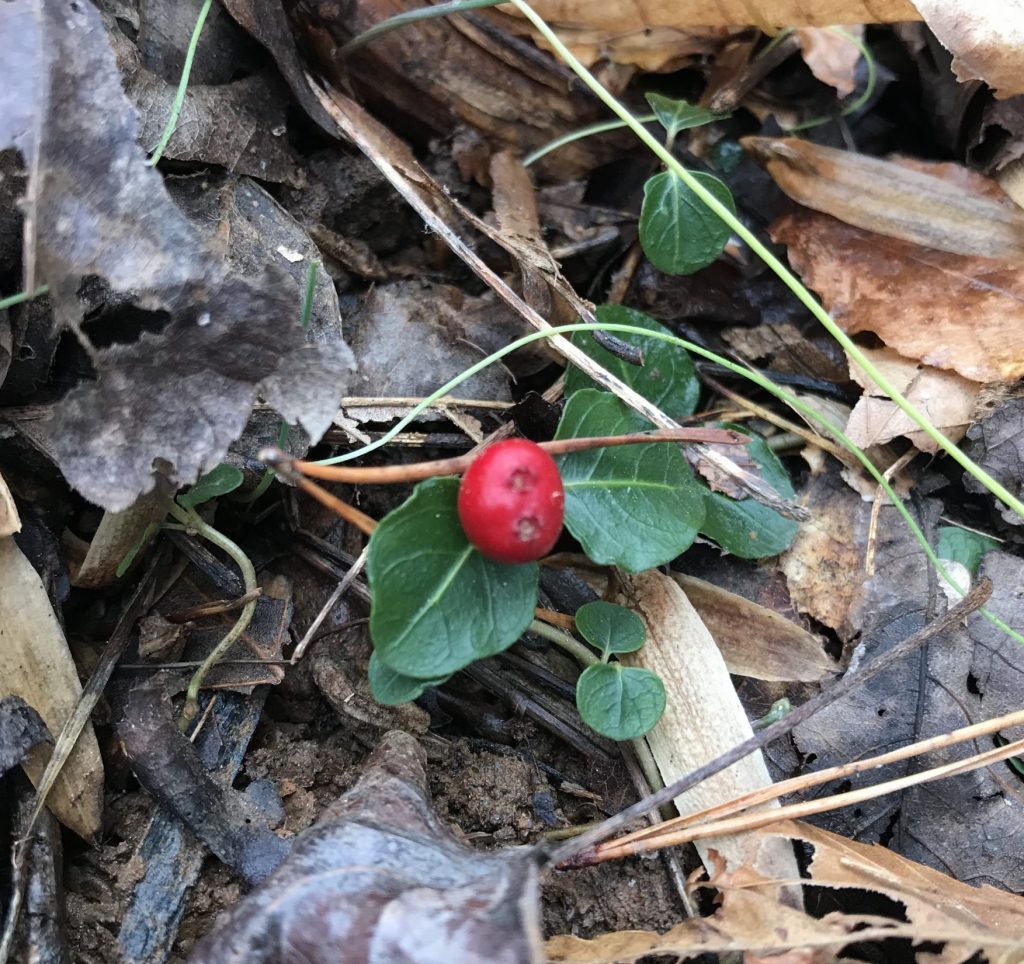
<point x="511" y="502"/>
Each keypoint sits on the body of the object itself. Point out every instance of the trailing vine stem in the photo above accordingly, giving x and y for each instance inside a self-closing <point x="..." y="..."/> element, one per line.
<point x="192" y="521"/>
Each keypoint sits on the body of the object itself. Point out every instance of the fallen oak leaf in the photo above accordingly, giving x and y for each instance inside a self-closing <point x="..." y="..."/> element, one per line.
<point x="381" y="879"/>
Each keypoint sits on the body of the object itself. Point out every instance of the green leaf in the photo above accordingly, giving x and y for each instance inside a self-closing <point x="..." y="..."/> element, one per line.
<point x="679" y="234"/>
<point x="390" y="688"/>
<point x="620" y="702"/>
<point x="634" y="506"/>
<point x="667" y="377"/>
<point x="964" y="546"/>
<point x="438" y="605"/>
<point x="610" y="628"/>
<point x="746" y="528"/>
<point x="220" y="480"/>
<point x="1015" y="762"/>
<point x="678" y="115"/>
<point x="129" y="557"/>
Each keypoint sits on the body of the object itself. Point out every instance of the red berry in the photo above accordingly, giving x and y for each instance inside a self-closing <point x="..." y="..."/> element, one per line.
<point x="511" y="502"/>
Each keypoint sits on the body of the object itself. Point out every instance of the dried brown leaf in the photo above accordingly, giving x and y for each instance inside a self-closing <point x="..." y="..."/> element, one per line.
<point x="831" y="57"/>
<point x="988" y="919"/>
<point x="948" y="400"/>
<point x="933" y="206"/>
<point x="949" y="311"/>
<point x="756" y="641"/>
<point x="986" y="40"/>
<point x="825" y="564"/>
<point x="659" y="34"/>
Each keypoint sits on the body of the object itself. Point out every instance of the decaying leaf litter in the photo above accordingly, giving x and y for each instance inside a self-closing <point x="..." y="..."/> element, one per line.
<point x="266" y="292"/>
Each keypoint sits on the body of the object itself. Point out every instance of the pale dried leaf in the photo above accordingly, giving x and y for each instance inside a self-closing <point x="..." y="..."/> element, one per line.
<point x="945" y="397"/>
<point x="10" y="521"/>
<point x="756" y="641"/>
<point x="927" y="205"/>
<point x="36" y="665"/>
<point x="985" y="38"/>
<point x="703" y="715"/>
<point x="947" y="310"/>
<point x="831" y="57"/>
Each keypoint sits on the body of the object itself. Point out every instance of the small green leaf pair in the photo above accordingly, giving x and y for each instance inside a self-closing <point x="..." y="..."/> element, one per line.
<point x="620" y="702"/>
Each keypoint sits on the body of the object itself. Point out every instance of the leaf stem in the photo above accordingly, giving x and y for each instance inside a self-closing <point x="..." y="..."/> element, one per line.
<point x="21" y="296"/>
<point x="412" y="16"/>
<point x="599" y="128"/>
<point x="192" y="519"/>
<point x="179" y="97"/>
<point x="417" y="471"/>
<point x="784" y="274"/>
<point x="580" y="652"/>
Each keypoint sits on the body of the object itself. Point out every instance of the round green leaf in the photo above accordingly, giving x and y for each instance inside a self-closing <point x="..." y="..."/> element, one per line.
<point x="391" y="688"/>
<point x="610" y="628"/>
<point x="745" y="527"/>
<point x="620" y="702"/>
<point x="667" y="377"/>
<point x="679" y="115"/>
<point x="438" y="605"/>
<point x="634" y="506"/>
<point x="964" y="546"/>
<point x="678" y="233"/>
<point x="220" y="480"/>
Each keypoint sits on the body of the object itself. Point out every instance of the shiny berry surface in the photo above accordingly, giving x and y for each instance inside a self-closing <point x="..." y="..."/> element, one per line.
<point x="511" y="502"/>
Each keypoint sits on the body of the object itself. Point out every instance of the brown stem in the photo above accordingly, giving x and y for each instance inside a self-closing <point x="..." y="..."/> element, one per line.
<point x="349" y="513"/>
<point x="387" y="474"/>
<point x="561" y="620"/>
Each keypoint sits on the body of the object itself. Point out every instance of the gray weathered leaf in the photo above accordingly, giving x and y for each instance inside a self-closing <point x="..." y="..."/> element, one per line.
<point x="206" y="340"/>
<point x="381" y="879"/>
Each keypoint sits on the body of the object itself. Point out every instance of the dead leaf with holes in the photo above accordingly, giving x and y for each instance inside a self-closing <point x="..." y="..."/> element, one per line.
<point x="176" y="396"/>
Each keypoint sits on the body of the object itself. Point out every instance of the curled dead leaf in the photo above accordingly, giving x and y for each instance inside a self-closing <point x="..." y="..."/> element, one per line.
<point x="949" y="311"/>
